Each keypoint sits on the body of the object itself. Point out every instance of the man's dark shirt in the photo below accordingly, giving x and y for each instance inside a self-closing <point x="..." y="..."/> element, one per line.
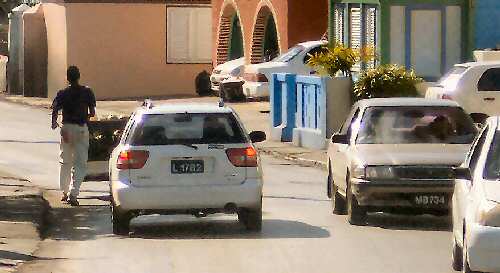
<point x="75" y="102"/>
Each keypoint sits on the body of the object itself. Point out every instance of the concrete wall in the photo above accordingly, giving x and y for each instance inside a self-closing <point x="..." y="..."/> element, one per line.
<point x="296" y="21"/>
<point x="487" y="20"/>
<point x="16" y="50"/>
<point x="35" y="53"/>
<point x="57" y="58"/>
<point x="397" y="35"/>
<point x="308" y="20"/>
<point x="121" y="51"/>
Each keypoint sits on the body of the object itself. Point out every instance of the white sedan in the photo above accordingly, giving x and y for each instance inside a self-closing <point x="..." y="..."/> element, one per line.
<point x="257" y="76"/>
<point x="186" y="159"/>
<point x="225" y="71"/>
<point x="476" y="205"/>
<point x="397" y="153"/>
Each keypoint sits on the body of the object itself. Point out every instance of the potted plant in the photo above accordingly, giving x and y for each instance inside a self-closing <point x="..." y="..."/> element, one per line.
<point x="386" y="81"/>
<point x="340" y="59"/>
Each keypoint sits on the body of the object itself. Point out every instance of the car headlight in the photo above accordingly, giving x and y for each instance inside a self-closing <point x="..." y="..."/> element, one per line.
<point x="380" y="172"/>
<point x="488" y="213"/>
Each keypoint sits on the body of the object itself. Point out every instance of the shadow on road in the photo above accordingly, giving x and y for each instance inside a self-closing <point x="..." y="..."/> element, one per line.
<point x="229" y="229"/>
<point x="410" y="222"/>
<point x="10" y="255"/>
<point x="28" y="142"/>
<point x="21" y="209"/>
<point x="78" y="223"/>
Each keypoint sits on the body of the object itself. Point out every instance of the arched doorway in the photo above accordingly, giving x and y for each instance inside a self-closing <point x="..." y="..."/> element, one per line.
<point x="236" y="44"/>
<point x="230" y="40"/>
<point x="265" y="37"/>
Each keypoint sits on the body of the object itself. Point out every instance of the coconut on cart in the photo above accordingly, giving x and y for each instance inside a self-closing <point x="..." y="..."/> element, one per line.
<point x="105" y="134"/>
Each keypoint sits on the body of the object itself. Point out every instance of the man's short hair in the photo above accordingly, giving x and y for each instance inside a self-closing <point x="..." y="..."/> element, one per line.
<point x="73" y="73"/>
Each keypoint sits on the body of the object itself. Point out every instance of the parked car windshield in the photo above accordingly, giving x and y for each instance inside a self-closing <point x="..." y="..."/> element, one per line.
<point x="172" y="129"/>
<point x="492" y="167"/>
<point x="415" y="124"/>
<point x="290" y="54"/>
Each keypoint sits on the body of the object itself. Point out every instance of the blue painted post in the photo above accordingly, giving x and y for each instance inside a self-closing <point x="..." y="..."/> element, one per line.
<point x="290" y="104"/>
<point x="311" y="112"/>
<point x="275" y="98"/>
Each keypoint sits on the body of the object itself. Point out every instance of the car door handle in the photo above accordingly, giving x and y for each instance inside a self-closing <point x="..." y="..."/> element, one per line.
<point x="489" y="99"/>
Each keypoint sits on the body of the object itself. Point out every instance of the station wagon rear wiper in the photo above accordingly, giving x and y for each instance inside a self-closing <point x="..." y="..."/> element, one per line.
<point x="190" y="146"/>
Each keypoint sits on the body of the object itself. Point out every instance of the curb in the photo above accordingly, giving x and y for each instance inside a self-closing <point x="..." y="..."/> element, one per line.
<point x="299" y="160"/>
<point x="3" y="97"/>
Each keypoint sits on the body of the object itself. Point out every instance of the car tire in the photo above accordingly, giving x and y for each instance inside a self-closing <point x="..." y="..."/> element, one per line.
<point x="251" y="218"/>
<point x="120" y="221"/>
<point x="456" y="256"/>
<point x="356" y="214"/>
<point x="329" y="182"/>
<point x="338" y="201"/>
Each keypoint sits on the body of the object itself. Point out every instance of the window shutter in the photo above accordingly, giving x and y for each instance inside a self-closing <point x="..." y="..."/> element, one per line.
<point x="189" y="37"/>
<point x="339" y="24"/>
<point x="371" y="31"/>
<point x="355" y="31"/>
<point x="177" y="35"/>
<point x="200" y="38"/>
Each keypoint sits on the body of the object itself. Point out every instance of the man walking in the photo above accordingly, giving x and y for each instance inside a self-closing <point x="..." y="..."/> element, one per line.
<point x="78" y="105"/>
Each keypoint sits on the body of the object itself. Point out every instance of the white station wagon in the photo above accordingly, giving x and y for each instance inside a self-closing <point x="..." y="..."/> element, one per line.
<point x="186" y="159"/>
<point x="397" y="153"/>
<point x="476" y="205"/>
<point x="475" y="86"/>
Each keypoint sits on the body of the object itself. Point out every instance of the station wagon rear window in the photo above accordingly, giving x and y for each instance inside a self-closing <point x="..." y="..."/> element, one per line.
<point x="187" y="128"/>
<point x="415" y="124"/>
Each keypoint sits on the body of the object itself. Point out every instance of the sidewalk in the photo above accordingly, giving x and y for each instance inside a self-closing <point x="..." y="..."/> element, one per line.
<point x="255" y="116"/>
<point x="22" y="215"/>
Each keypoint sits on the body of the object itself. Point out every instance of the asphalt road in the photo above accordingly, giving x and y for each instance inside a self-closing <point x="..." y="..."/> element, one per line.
<point x="299" y="232"/>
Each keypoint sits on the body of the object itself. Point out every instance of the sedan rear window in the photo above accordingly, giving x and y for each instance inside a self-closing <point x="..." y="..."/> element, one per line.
<point x="492" y="167"/>
<point x="186" y="128"/>
<point x="412" y="124"/>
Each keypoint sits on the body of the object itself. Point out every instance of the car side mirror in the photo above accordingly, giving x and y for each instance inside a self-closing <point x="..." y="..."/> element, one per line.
<point x="462" y="173"/>
<point x="338" y="138"/>
<point x="479" y="118"/>
<point x="257" y="136"/>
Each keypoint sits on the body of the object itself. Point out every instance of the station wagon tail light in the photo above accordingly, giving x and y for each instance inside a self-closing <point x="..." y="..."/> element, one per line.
<point x="242" y="157"/>
<point x="132" y="159"/>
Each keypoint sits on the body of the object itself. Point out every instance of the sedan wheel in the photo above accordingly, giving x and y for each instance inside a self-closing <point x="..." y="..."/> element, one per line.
<point x="338" y="201"/>
<point x="356" y="214"/>
<point x="456" y="256"/>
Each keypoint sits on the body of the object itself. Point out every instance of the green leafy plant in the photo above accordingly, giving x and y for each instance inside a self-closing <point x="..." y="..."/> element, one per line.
<point x="386" y="81"/>
<point x="340" y="58"/>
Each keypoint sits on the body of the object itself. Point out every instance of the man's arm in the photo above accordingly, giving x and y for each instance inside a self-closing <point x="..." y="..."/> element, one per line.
<point x="56" y="106"/>
<point x="92" y="104"/>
